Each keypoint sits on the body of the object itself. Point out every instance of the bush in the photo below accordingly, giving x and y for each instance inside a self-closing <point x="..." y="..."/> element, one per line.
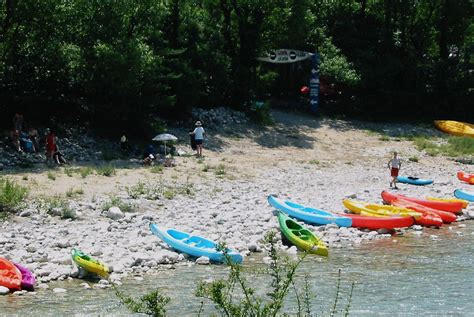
<point x="11" y="195"/>
<point x="115" y="201"/>
<point x="56" y="205"/>
<point x="152" y="304"/>
<point x="107" y="170"/>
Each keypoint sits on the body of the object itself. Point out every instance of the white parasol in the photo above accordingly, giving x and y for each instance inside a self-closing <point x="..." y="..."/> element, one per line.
<point x="164" y="137"/>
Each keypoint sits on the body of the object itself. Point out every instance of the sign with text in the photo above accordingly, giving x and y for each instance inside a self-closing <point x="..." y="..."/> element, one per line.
<point x="314" y="83"/>
<point x="282" y="56"/>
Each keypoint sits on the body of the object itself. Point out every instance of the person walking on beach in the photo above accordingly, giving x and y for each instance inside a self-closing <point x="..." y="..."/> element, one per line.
<point x="199" y="137"/>
<point x="394" y="166"/>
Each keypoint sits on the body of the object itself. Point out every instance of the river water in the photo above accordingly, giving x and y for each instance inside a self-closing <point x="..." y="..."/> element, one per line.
<point x="408" y="275"/>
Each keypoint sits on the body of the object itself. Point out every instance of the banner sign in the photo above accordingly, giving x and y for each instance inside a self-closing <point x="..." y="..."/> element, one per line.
<point x="282" y="56"/>
<point x="314" y="83"/>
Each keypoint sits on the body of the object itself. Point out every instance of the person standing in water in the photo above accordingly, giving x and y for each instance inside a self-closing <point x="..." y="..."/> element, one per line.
<point x="199" y="137"/>
<point x="394" y="166"/>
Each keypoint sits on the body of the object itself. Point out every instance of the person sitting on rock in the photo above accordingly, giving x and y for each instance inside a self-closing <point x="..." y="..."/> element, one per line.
<point x="33" y="136"/>
<point x="16" y="131"/>
<point x="149" y="155"/>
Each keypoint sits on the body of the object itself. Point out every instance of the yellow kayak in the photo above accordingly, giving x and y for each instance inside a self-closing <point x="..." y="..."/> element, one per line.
<point x="89" y="264"/>
<point x="455" y="127"/>
<point x="366" y="209"/>
<point x="450" y="200"/>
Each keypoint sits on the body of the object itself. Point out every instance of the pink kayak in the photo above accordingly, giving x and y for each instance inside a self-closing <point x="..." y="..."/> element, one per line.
<point x="27" y="278"/>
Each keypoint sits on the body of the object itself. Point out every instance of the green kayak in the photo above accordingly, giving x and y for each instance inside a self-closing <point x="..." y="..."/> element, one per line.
<point x="301" y="237"/>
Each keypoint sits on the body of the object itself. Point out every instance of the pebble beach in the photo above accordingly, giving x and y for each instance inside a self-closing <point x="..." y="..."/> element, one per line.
<point x="223" y="196"/>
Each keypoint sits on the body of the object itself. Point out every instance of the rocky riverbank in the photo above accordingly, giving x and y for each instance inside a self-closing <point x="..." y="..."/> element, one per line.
<point x="223" y="197"/>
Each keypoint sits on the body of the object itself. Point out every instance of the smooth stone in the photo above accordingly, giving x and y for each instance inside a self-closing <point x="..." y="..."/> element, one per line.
<point x="25" y="213"/>
<point x="20" y="293"/>
<point x="203" y="260"/>
<point x="58" y="290"/>
<point x="383" y="231"/>
<point x="115" y="213"/>
<point x="417" y="227"/>
<point x="4" y="290"/>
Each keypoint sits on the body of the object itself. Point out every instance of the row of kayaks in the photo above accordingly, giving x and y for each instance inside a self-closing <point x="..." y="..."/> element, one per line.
<point x="429" y="212"/>
<point x="15" y="276"/>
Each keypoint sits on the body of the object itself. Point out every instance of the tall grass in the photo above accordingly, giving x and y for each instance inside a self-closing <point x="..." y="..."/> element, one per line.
<point x="452" y="146"/>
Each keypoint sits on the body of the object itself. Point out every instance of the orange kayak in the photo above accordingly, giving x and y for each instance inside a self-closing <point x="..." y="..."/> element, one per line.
<point x="444" y="216"/>
<point x="465" y="177"/>
<point x="454" y="206"/>
<point x="374" y="223"/>
<point x="10" y="276"/>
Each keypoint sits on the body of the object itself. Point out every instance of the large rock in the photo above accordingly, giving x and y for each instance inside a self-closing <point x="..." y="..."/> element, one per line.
<point x="115" y="213"/>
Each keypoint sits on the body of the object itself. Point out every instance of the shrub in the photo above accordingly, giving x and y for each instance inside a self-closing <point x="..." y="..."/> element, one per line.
<point x="56" y="205"/>
<point x="152" y="304"/>
<point x="11" y="195"/>
<point x="220" y="170"/>
<point x="413" y="159"/>
<point x="107" y="170"/>
<point x="85" y="171"/>
<point x="115" y="201"/>
<point x="51" y="176"/>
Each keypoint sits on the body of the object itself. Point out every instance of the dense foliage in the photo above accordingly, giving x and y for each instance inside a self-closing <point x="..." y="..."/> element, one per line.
<point x="129" y="61"/>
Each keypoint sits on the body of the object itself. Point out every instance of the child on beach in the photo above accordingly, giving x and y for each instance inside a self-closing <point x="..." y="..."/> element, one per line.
<point x="199" y="137"/>
<point x="394" y="166"/>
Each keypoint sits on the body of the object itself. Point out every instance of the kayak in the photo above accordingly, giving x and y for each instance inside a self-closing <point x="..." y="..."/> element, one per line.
<point x="10" y="276"/>
<point x="455" y="127"/>
<point x="308" y="214"/>
<point x="300" y="236"/>
<point x="424" y="218"/>
<point x="193" y="245"/>
<point x="439" y="205"/>
<point x="437" y="216"/>
<point x="464" y="203"/>
<point x="27" y="278"/>
<point x="414" y="180"/>
<point x="89" y="264"/>
<point x="360" y="207"/>
<point x="461" y="194"/>
<point x="465" y="177"/>
<point x="374" y="222"/>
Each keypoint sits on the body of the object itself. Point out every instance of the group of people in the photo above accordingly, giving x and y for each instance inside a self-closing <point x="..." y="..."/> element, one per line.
<point x="27" y="140"/>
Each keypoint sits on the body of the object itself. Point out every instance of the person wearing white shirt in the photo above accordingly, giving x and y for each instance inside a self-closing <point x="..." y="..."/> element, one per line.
<point x="394" y="166"/>
<point x="199" y="137"/>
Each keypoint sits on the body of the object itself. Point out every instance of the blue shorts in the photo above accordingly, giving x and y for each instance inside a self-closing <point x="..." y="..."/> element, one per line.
<point x="198" y="141"/>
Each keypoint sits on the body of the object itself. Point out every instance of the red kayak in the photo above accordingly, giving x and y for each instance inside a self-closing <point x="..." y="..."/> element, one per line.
<point x="465" y="177"/>
<point x="439" y="205"/>
<point x="10" y="276"/>
<point x="446" y="216"/>
<point x="375" y="223"/>
<point x="429" y="218"/>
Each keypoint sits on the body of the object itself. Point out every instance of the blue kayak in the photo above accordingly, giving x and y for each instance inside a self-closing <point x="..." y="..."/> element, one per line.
<point x="461" y="194"/>
<point x="414" y="180"/>
<point x="308" y="214"/>
<point x="193" y="245"/>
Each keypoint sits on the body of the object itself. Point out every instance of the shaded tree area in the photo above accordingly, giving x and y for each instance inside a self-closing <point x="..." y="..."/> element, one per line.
<point x="125" y="63"/>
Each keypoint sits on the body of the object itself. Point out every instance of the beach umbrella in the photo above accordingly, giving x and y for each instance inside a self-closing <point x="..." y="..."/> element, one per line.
<point x="165" y="137"/>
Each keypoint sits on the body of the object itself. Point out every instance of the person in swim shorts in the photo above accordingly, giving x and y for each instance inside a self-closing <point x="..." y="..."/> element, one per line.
<point x="394" y="166"/>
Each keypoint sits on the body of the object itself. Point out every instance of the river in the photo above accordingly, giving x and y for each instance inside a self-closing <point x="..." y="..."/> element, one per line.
<point x="405" y="275"/>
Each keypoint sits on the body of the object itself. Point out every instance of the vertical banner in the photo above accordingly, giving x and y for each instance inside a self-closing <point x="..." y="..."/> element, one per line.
<point x="314" y="83"/>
